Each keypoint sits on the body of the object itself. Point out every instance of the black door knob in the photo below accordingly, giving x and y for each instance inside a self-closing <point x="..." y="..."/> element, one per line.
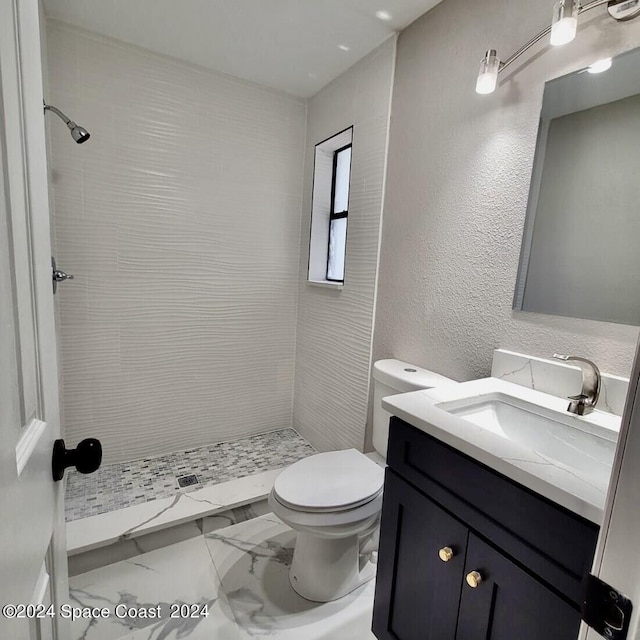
<point x="86" y="457"/>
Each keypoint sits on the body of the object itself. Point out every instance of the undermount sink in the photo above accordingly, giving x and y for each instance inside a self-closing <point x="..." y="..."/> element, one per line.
<point x="524" y="434"/>
<point x="562" y="437"/>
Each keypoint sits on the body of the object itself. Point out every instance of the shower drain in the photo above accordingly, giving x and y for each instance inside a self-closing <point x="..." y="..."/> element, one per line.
<point x="187" y="481"/>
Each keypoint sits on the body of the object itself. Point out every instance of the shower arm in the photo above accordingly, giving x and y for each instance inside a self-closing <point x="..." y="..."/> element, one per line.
<point x="67" y="121"/>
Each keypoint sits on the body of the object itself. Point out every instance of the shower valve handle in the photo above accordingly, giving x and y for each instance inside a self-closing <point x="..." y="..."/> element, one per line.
<point x="61" y="276"/>
<point x="57" y="275"/>
<point x="86" y="457"/>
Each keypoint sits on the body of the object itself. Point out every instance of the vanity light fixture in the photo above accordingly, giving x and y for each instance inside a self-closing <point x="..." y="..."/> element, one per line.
<point x="488" y="75"/>
<point x="562" y="30"/>
<point x="565" y="22"/>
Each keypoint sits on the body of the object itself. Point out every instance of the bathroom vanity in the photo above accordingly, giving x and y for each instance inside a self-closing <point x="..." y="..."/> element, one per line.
<point x="466" y="552"/>
<point x="493" y="499"/>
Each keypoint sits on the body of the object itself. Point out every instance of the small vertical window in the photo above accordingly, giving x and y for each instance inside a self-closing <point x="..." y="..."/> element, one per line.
<point x="330" y="209"/>
<point x="339" y="214"/>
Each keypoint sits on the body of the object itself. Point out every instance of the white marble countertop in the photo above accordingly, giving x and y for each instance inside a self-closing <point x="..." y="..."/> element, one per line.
<point x="581" y="491"/>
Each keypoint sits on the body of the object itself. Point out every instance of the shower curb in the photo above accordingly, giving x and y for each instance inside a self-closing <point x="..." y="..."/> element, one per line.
<point x="104" y="529"/>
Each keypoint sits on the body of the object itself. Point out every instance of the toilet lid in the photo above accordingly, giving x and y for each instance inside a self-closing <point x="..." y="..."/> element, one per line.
<point x="333" y="481"/>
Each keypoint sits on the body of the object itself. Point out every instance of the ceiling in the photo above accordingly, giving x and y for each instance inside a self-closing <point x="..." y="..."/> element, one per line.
<point x="297" y="46"/>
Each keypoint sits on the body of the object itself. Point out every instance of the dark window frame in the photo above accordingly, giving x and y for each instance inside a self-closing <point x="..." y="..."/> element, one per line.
<point x="338" y="215"/>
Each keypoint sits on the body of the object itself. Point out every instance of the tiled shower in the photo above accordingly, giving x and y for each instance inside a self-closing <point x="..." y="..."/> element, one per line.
<point x="180" y="220"/>
<point x="190" y="335"/>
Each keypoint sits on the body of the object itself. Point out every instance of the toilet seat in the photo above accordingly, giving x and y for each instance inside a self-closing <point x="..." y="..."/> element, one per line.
<point x="329" y="482"/>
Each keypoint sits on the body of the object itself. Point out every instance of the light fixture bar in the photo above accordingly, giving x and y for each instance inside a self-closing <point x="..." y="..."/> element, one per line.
<point x="545" y="32"/>
<point x="526" y="47"/>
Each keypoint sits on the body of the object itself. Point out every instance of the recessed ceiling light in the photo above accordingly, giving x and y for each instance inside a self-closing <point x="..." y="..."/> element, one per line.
<point x="600" y="65"/>
<point x="344" y="47"/>
<point x="383" y="15"/>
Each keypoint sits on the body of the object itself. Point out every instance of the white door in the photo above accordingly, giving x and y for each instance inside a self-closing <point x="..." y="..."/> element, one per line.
<point x="618" y="555"/>
<point x="32" y="546"/>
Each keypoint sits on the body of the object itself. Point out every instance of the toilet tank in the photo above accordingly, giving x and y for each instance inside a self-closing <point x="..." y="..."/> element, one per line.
<point x="391" y="377"/>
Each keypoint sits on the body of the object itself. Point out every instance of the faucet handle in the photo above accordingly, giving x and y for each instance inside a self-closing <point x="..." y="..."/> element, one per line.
<point x="580" y="405"/>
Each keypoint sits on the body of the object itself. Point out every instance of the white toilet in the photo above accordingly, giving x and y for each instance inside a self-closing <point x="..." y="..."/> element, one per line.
<point x="333" y="500"/>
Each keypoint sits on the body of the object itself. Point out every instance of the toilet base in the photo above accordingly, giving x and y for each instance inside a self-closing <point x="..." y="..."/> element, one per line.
<point x="326" y="569"/>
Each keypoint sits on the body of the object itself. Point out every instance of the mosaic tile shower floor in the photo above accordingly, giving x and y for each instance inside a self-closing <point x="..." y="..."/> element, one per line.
<point x="124" y="484"/>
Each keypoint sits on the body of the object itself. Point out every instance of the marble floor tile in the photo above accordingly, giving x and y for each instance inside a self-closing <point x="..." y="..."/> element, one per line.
<point x="179" y="573"/>
<point x="253" y="559"/>
<point x="132" y="547"/>
<point x="220" y="625"/>
<point x="235" y="516"/>
<point x="128" y="548"/>
<point x="241" y="572"/>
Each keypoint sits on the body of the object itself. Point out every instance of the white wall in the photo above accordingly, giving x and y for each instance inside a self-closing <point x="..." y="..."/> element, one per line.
<point x="180" y="219"/>
<point x="334" y="335"/>
<point x="458" y="182"/>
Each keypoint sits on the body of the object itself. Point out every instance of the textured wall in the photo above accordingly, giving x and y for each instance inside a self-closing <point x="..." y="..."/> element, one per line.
<point x="180" y="219"/>
<point x="334" y="337"/>
<point x="458" y="182"/>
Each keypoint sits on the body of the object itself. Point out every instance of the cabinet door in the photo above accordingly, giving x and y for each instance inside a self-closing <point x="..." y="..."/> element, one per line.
<point x="417" y="593"/>
<point x="508" y="603"/>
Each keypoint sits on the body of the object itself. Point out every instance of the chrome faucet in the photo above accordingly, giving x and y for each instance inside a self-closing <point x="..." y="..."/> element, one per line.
<point x="586" y="400"/>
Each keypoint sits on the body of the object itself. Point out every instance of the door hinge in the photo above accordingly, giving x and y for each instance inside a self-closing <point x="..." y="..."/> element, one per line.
<point x="605" y="609"/>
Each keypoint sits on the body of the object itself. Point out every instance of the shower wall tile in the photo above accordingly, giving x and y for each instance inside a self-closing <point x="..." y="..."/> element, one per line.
<point x="180" y="219"/>
<point x="335" y="327"/>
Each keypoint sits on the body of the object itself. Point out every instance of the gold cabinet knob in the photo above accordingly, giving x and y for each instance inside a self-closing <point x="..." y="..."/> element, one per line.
<point x="446" y="553"/>
<point x="474" y="579"/>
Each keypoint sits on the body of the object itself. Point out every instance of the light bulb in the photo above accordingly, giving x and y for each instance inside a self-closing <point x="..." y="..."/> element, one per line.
<point x="383" y="15"/>
<point x="488" y="74"/>
<point x="565" y="22"/>
<point x="600" y="65"/>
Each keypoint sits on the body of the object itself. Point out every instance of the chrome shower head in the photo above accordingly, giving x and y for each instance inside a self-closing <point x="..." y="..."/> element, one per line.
<point x="78" y="133"/>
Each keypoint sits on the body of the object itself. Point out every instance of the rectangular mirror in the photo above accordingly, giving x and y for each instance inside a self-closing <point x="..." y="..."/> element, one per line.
<point x="580" y="252"/>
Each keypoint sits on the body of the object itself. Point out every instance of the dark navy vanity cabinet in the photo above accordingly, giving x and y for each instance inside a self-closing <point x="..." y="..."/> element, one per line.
<point x="468" y="554"/>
